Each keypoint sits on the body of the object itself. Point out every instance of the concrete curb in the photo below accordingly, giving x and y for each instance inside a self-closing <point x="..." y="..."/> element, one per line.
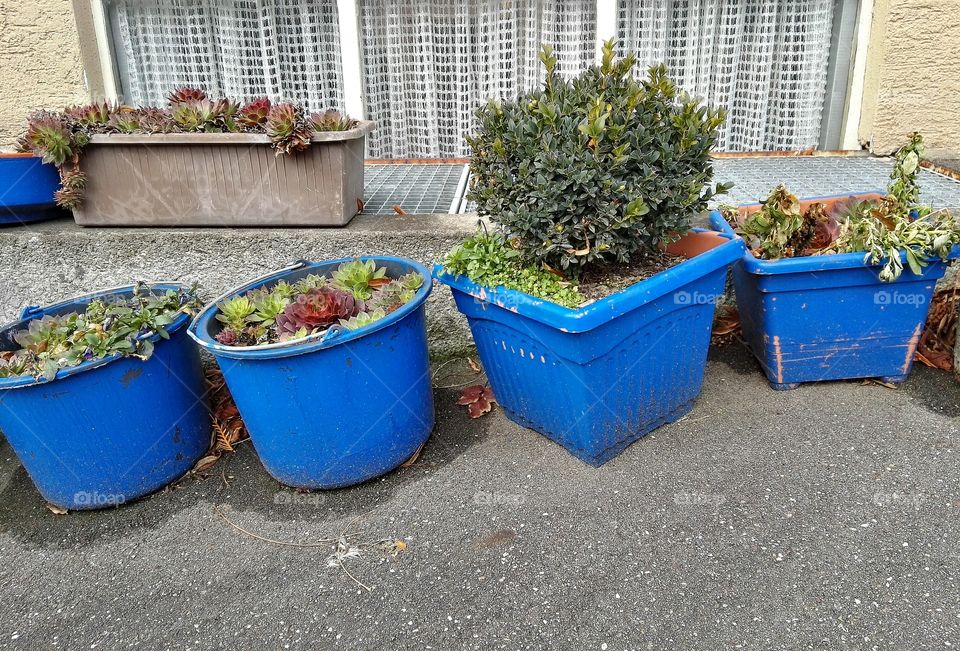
<point x="45" y="262"/>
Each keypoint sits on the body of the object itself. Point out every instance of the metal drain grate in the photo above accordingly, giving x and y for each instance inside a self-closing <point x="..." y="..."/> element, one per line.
<point x="813" y="176"/>
<point x="754" y="178"/>
<point x="417" y="188"/>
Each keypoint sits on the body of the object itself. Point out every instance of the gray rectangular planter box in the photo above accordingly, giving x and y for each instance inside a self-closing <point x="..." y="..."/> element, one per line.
<point x="221" y="179"/>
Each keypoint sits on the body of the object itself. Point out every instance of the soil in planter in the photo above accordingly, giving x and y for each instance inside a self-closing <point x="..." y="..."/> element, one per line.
<point x="602" y="281"/>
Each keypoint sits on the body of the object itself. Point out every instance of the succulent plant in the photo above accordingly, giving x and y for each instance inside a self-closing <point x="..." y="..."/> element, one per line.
<point x="308" y="282"/>
<point x="124" y="122"/>
<point x="331" y="120"/>
<point x="48" y="136"/>
<point x="186" y="94"/>
<point x="228" y="337"/>
<point x="254" y="114"/>
<point x="59" y="138"/>
<point x="154" y="120"/>
<point x="362" y="319"/>
<point x="72" y="184"/>
<point x="268" y="305"/>
<point x="319" y="308"/>
<point x="91" y="115"/>
<point x="360" y="278"/>
<point x="235" y="311"/>
<point x="396" y="293"/>
<point x="287" y="129"/>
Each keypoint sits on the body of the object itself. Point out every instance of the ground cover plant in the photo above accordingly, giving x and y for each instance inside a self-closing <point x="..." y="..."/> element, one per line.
<point x="882" y="229"/>
<point x="107" y="327"/>
<point x="598" y="171"/>
<point x="60" y="137"/>
<point x="357" y="294"/>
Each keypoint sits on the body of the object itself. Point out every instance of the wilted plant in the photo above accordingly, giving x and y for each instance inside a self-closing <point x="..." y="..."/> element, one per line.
<point x="895" y="226"/>
<point x="103" y="329"/>
<point x="59" y="138"/>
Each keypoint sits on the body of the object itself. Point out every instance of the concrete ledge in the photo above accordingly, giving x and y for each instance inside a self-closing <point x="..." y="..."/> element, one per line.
<point x="46" y="262"/>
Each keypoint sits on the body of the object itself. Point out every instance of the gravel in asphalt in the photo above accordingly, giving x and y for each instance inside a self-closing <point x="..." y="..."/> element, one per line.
<point x="821" y="518"/>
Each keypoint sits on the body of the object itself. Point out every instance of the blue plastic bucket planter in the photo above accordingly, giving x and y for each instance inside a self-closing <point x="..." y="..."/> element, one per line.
<point x="830" y="317"/>
<point x="112" y="429"/>
<point x="596" y="379"/>
<point x="334" y="409"/>
<point x="27" y="186"/>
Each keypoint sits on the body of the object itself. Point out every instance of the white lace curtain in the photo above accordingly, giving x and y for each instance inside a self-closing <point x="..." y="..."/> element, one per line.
<point x="764" y="60"/>
<point x="429" y="64"/>
<point x="284" y="49"/>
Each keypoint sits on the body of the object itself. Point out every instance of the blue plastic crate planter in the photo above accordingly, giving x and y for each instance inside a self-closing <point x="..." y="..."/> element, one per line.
<point x="338" y="408"/>
<point x="27" y="186"/>
<point x="830" y="317"/>
<point x="109" y="430"/>
<point x="598" y="378"/>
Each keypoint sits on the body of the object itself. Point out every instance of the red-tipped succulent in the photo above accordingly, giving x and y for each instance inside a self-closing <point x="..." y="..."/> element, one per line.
<point x="318" y="308"/>
<point x="186" y="94"/>
<point x="254" y="114"/>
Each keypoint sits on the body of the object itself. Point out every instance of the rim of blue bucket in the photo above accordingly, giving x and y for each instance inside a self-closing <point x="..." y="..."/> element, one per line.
<point x="328" y="339"/>
<point x="588" y="317"/>
<point x="808" y="263"/>
<point x="33" y="313"/>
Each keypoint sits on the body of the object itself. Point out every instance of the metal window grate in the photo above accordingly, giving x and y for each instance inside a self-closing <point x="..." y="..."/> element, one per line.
<point x="417" y="188"/>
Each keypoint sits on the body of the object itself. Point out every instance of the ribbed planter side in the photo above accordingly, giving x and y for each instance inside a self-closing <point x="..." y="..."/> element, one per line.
<point x="221" y="180"/>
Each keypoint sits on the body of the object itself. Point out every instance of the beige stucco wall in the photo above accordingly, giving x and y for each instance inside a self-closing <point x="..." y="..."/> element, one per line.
<point x="912" y="80"/>
<point x="40" y="64"/>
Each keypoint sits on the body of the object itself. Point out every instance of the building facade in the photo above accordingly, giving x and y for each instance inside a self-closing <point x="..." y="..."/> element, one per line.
<point x="794" y="74"/>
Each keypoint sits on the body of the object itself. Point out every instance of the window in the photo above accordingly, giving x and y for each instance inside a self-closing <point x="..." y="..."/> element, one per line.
<point x="766" y="61"/>
<point x="284" y="49"/>
<point x="429" y="65"/>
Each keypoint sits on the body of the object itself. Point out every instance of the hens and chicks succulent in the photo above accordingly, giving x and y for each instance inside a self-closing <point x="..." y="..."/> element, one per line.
<point x="357" y="294"/>
<point x="59" y="137"/>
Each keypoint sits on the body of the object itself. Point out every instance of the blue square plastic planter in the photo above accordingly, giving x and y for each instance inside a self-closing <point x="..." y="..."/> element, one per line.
<point x="109" y="430"/>
<point x="338" y="408"/>
<point x="597" y="379"/>
<point x="27" y="186"/>
<point x="830" y="317"/>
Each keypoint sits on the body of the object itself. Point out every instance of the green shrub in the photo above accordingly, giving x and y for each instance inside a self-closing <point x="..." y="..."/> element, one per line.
<point x="595" y="168"/>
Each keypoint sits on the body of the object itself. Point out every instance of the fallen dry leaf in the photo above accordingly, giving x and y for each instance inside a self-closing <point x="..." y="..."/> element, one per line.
<point x="400" y="211"/>
<point x="936" y="346"/>
<point x="478" y="399"/>
<point x="474" y="365"/>
<point x="205" y="462"/>
<point x="53" y="508"/>
<point x="726" y="327"/>
<point x="412" y="460"/>
<point x="359" y="206"/>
